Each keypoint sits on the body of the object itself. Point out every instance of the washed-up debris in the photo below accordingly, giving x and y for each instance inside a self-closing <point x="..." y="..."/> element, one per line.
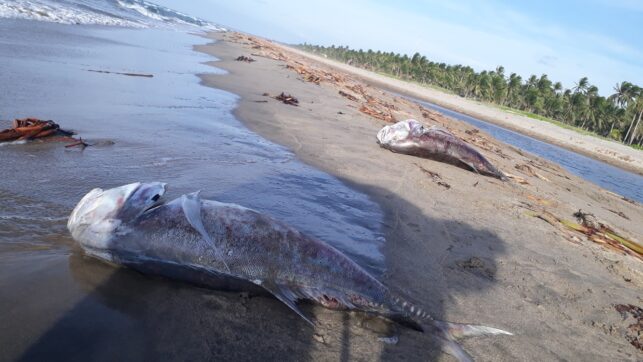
<point x="541" y="201"/>
<point x="306" y="74"/>
<point x="287" y="99"/>
<point x="349" y="96"/>
<point x="634" y="332"/>
<point x="620" y="197"/>
<point x="80" y="143"/>
<point x="33" y="128"/>
<point x="120" y="73"/>
<point x="619" y="213"/>
<point x="435" y="177"/>
<point x="530" y="171"/>
<point x="243" y="58"/>
<point x="595" y="231"/>
<point x="387" y="117"/>
<point x="319" y="338"/>
<point x="516" y="178"/>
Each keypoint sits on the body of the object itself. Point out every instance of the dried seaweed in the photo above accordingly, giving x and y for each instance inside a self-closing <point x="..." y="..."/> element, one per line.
<point x="435" y="177"/>
<point x="595" y="231"/>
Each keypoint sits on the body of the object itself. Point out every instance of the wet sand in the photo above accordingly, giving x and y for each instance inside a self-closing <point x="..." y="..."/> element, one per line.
<point x="471" y="252"/>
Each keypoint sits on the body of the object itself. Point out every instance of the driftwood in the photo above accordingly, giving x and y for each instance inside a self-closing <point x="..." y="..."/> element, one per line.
<point x="243" y="58"/>
<point x="287" y="99"/>
<point x="375" y="113"/>
<point x="347" y="95"/>
<point x="35" y="129"/>
<point x="120" y="73"/>
<point x="31" y="128"/>
<point x="80" y="143"/>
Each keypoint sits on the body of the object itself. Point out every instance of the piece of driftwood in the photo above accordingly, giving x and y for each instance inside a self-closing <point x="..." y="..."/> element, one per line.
<point x="80" y="143"/>
<point x="243" y="58"/>
<point x="347" y="95"/>
<point x="31" y="128"/>
<point x="287" y="99"/>
<point x="120" y="73"/>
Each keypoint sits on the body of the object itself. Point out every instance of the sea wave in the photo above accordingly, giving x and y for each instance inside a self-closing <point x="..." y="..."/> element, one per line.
<point x="123" y="13"/>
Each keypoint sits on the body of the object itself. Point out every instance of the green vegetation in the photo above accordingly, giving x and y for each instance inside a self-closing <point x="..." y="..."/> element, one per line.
<point x="581" y="108"/>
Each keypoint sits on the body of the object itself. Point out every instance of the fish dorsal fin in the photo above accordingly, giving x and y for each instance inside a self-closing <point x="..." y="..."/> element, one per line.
<point x="191" y="205"/>
<point x="285" y="295"/>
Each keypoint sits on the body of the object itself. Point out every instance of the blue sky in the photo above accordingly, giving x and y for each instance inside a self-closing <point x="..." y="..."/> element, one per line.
<point x="566" y="39"/>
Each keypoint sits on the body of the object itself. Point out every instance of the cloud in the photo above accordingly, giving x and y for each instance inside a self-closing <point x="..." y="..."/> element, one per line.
<point x="548" y="60"/>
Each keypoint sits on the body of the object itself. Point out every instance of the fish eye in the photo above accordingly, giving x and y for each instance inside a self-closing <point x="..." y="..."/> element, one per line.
<point x="156" y="197"/>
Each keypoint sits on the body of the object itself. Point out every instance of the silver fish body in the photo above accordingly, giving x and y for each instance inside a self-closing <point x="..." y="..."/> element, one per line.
<point x="218" y="244"/>
<point x="412" y="138"/>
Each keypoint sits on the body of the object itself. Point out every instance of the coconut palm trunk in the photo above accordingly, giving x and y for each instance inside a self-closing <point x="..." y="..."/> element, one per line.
<point x="635" y="127"/>
<point x="629" y="129"/>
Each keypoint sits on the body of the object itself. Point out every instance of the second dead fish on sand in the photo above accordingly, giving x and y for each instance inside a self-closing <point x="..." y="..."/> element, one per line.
<point x="412" y="138"/>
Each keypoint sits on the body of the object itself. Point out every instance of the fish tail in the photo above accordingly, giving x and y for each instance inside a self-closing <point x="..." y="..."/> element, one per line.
<point x="448" y="333"/>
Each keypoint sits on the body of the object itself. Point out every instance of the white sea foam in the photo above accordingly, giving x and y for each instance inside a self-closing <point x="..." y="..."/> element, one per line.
<point x="52" y="12"/>
<point x="123" y="13"/>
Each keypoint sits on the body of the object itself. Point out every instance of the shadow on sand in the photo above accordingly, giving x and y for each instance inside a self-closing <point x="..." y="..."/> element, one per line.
<point x="127" y="316"/>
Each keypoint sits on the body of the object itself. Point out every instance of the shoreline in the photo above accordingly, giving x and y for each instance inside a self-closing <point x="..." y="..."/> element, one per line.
<point x="610" y="152"/>
<point x="488" y="262"/>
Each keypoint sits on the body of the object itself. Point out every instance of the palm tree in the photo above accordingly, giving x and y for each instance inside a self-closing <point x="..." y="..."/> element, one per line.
<point x="619" y="114"/>
<point x="581" y="86"/>
<point x="622" y="94"/>
<point x="637" y="104"/>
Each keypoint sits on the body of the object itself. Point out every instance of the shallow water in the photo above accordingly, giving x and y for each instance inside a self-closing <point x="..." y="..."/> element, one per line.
<point x="604" y="175"/>
<point x="166" y="128"/>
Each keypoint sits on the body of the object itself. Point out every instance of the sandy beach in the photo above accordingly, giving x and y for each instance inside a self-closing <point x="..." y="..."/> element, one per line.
<point x="604" y="150"/>
<point x="466" y="247"/>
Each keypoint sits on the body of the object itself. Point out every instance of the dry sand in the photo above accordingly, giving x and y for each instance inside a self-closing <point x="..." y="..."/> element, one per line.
<point x="470" y="252"/>
<point x="605" y="150"/>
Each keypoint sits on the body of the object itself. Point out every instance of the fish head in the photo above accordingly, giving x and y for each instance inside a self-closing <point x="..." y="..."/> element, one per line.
<point x="100" y="213"/>
<point x="398" y="132"/>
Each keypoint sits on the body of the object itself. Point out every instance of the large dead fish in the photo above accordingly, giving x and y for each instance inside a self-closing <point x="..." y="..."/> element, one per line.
<point x="205" y="242"/>
<point x="412" y="138"/>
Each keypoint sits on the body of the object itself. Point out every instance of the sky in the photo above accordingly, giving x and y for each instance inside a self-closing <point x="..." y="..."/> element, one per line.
<point x="565" y="39"/>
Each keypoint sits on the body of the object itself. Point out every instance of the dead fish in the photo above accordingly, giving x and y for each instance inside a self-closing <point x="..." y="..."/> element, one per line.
<point x="205" y="242"/>
<point x="412" y="138"/>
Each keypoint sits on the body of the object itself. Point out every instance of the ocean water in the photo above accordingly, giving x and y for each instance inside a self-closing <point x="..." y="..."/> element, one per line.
<point x="123" y="13"/>
<point x="166" y="127"/>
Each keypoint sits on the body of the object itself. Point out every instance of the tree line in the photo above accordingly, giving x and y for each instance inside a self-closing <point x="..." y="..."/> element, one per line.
<point x="617" y="116"/>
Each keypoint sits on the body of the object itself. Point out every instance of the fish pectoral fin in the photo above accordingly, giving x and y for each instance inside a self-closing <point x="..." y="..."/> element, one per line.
<point x="472" y="167"/>
<point x="191" y="205"/>
<point x="288" y="297"/>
